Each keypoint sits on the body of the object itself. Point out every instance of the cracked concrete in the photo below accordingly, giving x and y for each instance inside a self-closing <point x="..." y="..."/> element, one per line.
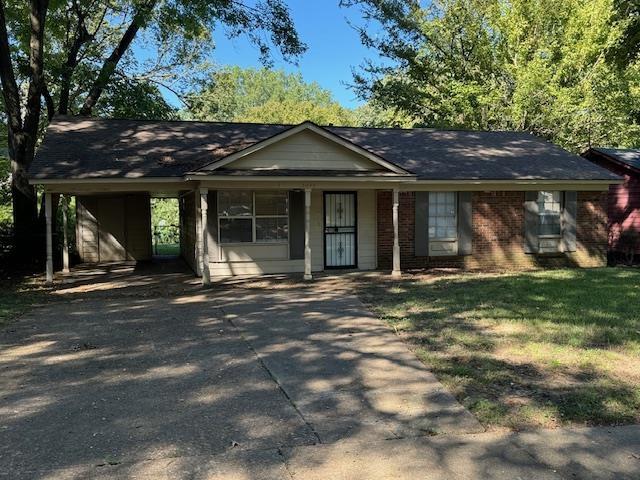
<point x="250" y="383"/>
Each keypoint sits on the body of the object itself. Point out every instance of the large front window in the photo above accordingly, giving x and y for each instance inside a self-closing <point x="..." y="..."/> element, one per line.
<point x="549" y="208"/>
<point x="245" y="216"/>
<point x="442" y="216"/>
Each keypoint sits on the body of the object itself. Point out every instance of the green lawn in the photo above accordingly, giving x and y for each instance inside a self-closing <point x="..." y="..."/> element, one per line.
<point x="540" y="349"/>
<point x="166" y="249"/>
<point x="17" y="296"/>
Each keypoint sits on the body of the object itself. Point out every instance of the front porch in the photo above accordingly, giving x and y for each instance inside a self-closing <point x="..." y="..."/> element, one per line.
<point x="328" y="227"/>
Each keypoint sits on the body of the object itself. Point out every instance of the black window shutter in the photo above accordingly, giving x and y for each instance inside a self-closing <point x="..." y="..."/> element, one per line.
<point x="212" y="224"/>
<point x="465" y="223"/>
<point x="569" y="214"/>
<point x="531" y="222"/>
<point x="296" y="224"/>
<point x="421" y="235"/>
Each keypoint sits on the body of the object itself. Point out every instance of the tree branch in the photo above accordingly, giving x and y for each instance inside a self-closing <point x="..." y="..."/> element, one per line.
<point x="111" y="62"/>
<point x="81" y="37"/>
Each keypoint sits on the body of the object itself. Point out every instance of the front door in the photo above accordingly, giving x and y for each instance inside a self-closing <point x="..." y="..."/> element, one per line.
<point x="340" y="233"/>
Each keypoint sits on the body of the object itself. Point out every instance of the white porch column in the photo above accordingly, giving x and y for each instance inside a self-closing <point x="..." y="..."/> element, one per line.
<point x="396" y="242"/>
<point x="204" y="237"/>
<point x="307" y="234"/>
<point x="65" y="235"/>
<point x="47" y="214"/>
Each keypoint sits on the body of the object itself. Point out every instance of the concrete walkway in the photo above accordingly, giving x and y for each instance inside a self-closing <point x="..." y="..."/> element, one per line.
<point x="130" y="376"/>
<point x="347" y="374"/>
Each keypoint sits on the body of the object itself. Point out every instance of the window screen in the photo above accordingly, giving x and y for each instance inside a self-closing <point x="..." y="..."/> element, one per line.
<point x="443" y="216"/>
<point x="549" y="208"/>
<point x="245" y="216"/>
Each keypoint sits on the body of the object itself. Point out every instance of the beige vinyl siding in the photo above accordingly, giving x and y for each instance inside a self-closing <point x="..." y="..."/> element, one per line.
<point x="138" y="227"/>
<point x="256" y="267"/>
<point x="305" y="150"/>
<point x="87" y="229"/>
<point x="188" y="229"/>
<point x="114" y="228"/>
<point x="317" y="231"/>
<point x="367" y="256"/>
<point x="252" y="252"/>
<point x="256" y="259"/>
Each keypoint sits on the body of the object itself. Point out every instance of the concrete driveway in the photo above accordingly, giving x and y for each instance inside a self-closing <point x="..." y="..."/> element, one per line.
<point x="127" y="378"/>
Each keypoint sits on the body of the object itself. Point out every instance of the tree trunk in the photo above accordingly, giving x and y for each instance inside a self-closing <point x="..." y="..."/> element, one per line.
<point x="22" y="127"/>
<point x="25" y="205"/>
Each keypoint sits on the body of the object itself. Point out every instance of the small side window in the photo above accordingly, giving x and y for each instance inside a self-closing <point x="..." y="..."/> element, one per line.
<point x="443" y="219"/>
<point x="549" y="212"/>
<point x="443" y="223"/>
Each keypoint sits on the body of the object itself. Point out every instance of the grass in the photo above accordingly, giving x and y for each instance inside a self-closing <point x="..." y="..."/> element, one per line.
<point x="166" y="249"/>
<point x="539" y="349"/>
<point x="17" y="296"/>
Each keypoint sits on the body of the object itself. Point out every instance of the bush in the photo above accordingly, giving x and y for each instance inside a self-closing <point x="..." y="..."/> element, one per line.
<point x="629" y="245"/>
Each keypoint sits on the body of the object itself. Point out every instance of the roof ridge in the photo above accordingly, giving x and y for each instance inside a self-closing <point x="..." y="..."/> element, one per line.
<point x="263" y="124"/>
<point x="146" y="120"/>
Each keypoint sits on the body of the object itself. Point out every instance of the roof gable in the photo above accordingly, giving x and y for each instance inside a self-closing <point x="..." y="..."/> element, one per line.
<point x="305" y="147"/>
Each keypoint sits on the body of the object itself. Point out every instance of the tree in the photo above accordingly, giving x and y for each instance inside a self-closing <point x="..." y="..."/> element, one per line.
<point x="496" y="64"/>
<point x="625" y="47"/>
<point x="234" y="94"/>
<point x="88" y="44"/>
<point x="130" y="98"/>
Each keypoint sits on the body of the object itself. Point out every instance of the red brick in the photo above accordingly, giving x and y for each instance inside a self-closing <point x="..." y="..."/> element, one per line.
<point x="498" y="226"/>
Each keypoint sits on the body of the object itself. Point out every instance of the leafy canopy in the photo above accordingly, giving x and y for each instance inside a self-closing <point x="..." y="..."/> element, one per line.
<point x="234" y="94"/>
<point x="541" y="66"/>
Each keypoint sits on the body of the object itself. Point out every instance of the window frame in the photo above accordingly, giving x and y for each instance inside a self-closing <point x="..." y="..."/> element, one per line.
<point x="253" y="217"/>
<point x="429" y="217"/>
<point x="540" y="214"/>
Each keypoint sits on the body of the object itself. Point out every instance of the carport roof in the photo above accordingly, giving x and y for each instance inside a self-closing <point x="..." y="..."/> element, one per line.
<point x="91" y="148"/>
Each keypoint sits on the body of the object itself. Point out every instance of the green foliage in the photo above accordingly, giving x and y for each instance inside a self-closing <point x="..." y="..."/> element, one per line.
<point x="164" y="211"/>
<point x="625" y="46"/>
<point x="496" y="64"/>
<point x="127" y="98"/>
<point x="175" y="36"/>
<point x="165" y="226"/>
<point x="234" y="94"/>
<point x="373" y="115"/>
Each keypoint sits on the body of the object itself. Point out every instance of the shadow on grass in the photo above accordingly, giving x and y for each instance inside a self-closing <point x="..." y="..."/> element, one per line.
<point x="522" y="350"/>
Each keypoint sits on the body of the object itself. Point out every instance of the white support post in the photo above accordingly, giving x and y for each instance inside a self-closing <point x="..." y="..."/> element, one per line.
<point x="198" y="240"/>
<point x="204" y="237"/>
<point x="307" y="234"/>
<point x="65" y="235"/>
<point x="47" y="214"/>
<point x="396" y="242"/>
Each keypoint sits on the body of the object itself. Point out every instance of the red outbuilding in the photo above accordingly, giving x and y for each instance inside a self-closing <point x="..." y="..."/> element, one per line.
<point x="624" y="199"/>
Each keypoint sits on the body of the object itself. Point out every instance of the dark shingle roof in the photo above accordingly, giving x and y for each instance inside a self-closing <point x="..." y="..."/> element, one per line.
<point x="628" y="156"/>
<point x="98" y="148"/>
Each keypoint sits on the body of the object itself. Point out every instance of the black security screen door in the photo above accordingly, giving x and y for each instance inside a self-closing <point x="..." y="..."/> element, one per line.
<point x="340" y="220"/>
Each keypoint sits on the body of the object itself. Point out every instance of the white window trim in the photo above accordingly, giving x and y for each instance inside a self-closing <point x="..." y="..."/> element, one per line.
<point x="444" y="239"/>
<point x="253" y="218"/>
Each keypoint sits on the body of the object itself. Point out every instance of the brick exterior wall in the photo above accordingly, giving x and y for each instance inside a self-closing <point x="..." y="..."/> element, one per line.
<point x="498" y="228"/>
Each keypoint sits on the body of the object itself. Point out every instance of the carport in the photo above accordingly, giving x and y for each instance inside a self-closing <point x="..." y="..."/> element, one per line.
<point x="113" y="220"/>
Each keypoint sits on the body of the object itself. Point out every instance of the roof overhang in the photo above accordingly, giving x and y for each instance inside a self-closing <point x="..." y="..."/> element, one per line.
<point x="608" y="157"/>
<point x="101" y="180"/>
<point x="412" y="180"/>
<point x="305" y="126"/>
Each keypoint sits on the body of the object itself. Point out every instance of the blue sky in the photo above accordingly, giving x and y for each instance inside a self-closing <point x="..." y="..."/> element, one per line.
<point x="334" y="47"/>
